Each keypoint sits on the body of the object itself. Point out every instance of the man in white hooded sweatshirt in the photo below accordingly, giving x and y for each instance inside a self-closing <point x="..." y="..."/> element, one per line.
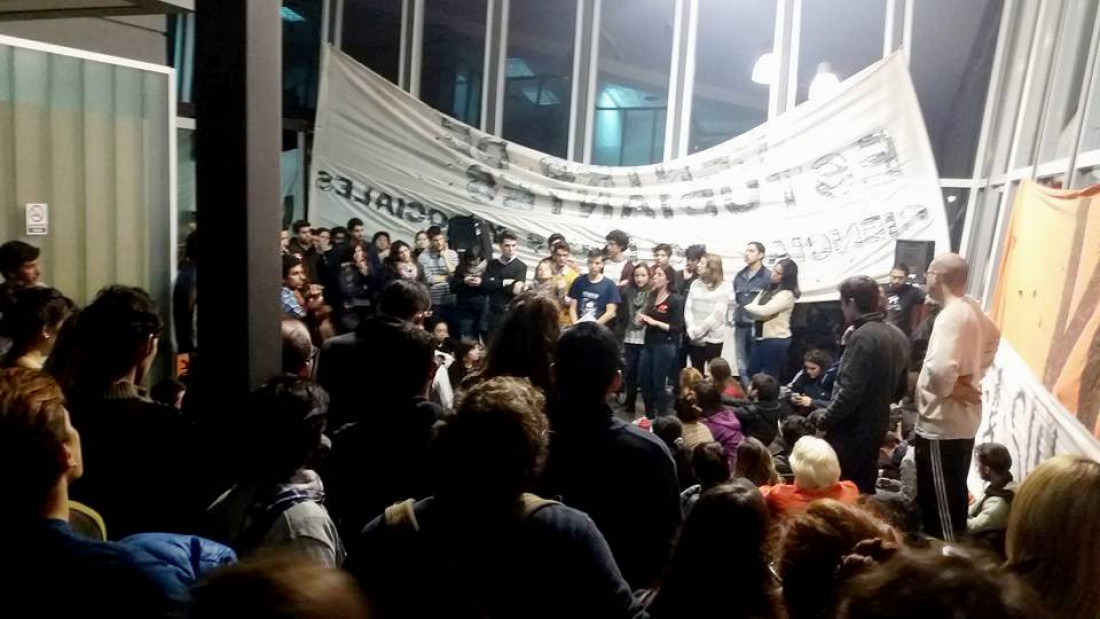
<point x="960" y="350"/>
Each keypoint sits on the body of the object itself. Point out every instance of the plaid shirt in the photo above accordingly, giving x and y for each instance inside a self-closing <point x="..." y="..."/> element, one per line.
<point x="291" y="307"/>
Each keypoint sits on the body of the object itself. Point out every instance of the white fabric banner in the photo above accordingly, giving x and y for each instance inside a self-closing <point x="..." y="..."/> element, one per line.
<point x="833" y="184"/>
<point x="1026" y="418"/>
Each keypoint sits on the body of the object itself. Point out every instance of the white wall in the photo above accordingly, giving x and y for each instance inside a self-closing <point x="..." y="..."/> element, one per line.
<point x="137" y="38"/>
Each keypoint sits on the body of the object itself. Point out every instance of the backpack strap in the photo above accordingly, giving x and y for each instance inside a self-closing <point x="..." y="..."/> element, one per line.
<point x="402" y="516"/>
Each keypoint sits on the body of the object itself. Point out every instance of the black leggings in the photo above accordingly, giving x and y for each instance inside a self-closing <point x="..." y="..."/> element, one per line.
<point x="704" y="354"/>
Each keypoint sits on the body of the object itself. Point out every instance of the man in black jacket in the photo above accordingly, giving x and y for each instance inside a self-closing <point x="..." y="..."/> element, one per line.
<point x="761" y="417"/>
<point x="873" y="375"/>
<point x="501" y="278"/>
<point x="622" y="477"/>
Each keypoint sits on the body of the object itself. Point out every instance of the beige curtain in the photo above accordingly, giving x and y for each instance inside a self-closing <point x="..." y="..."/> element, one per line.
<point x="90" y="139"/>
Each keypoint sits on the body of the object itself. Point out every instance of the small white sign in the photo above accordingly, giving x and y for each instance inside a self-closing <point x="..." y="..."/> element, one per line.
<point x="38" y="219"/>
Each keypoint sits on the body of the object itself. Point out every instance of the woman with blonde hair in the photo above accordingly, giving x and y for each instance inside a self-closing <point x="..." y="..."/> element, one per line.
<point x="1053" y="542"/>
<point x="705" y="312"/>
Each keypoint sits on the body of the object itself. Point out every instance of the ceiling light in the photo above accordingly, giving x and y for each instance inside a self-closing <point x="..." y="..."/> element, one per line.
<point x="952" y="198"/>
<point x="763" y="72"/>
<point x="825" y="82"/>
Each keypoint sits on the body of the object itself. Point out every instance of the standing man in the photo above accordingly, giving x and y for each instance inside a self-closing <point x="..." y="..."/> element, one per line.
<point x="503" y="277"/>
<point x="594" y="297"/>
<point x="874" y="373"/>
<point x="301" y="245"/>
<point x="438" y="264"/>
<point x="903" y="299"/>
<point x="564" y="275"/>
<point x="618" y="267"/>
<point x="748" y="283"/>
<point x="949" y="402"/>
<point x="20" y="268"/>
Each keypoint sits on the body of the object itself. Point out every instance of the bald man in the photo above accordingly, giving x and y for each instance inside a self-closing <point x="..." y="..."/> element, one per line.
<point x="949" y="402"/>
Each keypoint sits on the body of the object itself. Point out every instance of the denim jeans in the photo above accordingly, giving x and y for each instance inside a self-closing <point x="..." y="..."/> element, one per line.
<point x="742" y="338"/>
<point x="653" y="371"/>
<point x="770" y="357"/>
<point x="632" y="354"/>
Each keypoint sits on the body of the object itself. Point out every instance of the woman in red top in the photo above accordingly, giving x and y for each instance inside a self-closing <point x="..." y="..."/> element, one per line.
<point x="816" y="476"/>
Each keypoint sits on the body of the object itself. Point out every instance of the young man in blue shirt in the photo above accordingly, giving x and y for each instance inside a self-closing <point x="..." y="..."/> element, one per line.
<point x="594" y="297"/>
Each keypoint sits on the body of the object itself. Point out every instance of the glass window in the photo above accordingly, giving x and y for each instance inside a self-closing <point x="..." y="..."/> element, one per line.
<point x="839" y="38"/>
<point x="954" y="203"/>
<point x="301" y="56"/>
<point x="454" y="57"/>
<point x="1060" y="130"/>
<point x="1040" y="65"/>
<point x="538" y="76"/>
<point x="372" y="34"/>
<point x="632" y="82"/>
<point x="1010" y="95"/>
<point x="951" y="63"/>
<point x="732" y="39"/>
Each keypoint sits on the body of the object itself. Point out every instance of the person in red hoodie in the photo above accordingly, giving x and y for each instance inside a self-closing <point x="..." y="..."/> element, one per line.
<point x="816" y="476"/>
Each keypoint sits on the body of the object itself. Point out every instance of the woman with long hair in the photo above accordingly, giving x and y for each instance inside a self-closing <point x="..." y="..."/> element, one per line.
<point x="33" y="323"/>
<point x="635" y="296"/>
<point x="355" y="284"/>
<point x="421" y="243"/>
<point x="1053" y="542"/>
<point x="663" y="318"/>
<point x="705" y="312"/>
<point x="724" y="541"/>
<point x="771" y="311"/>
<point x="754" y="463"/>
<point x="401" y="264"/>
<point x="523" y="345"/>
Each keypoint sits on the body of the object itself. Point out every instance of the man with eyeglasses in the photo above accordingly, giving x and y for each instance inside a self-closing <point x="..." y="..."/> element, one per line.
<point x="949" y="402"/>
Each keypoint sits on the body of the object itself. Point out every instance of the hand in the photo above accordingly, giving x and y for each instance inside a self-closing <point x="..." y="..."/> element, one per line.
<point x="804" y="401"/>
<point x="315" y="290"/>
<point x="314" y="303"/>
<point x="818" y="418"/>
<point x="965" y="392"/>
<point x="646" y="319"/>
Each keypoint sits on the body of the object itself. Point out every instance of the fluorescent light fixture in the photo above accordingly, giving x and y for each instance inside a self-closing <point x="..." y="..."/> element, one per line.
<point x="763" y="72"/>
<point x="952" y="198"/>
<point x="290" y="15"/>
<point x="825" y="82"/>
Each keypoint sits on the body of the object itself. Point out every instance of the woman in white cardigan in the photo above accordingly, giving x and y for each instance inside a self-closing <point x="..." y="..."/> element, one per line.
<point x="771" y="310"/>
<point x="705" y="312"/>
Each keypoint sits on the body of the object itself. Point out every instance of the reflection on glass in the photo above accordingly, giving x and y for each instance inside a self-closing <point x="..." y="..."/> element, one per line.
<point x="733" y="66"/>
<point x="1040" y="64"/>
<point x="372" y="34"/>
<point x="454" y="57"/>
<point x="1009" y="103"/>
<point x="1060" y="128"/>
<point x="846" y="34"/>
<point x="951" y="62"/>
<point x="955" y="204"/>
<point x="632" y="83"/>
<point x="538" y="75"/>
<point x="301" y="56"/>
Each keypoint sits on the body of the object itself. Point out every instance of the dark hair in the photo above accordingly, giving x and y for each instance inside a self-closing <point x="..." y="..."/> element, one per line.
<point x="298" y="225"/>
<point x="687" y="411"/>
<point x="434" y="231"/>
<point x="930" y="583"/>
<point x="338" y="230"/>
<point x="395" y="249"/>
<point x="720" y="370"/>
<point x="795" y="427"/>
<point x="320" y="230"/>
<point x="670" y="276"/>
<point x="507" y="235"/>
<point x="754" y="463"/>
<point x="818" y="357"/>
<point x="668" y="428"/>
<point x="999" y="460"/>
<point x="587" y="360"/>
<point x="33" y="310"/>
<point x="404" y="299"/>
<point x="863" y="291"/>
<point x="353" y="222"/>
<point x="901" y="266"/>
<point x="730" y="521"/>
<point x="523" y="344"/>
<point x="665" y="247"/>
<point x="32" y="438"/>
<point x="710" y="463"/>
<point x="641" y="266"/>
<point x="596" y="253"/>
<point x="767" y="388"/>
<point x="109" y="334"/>
<point x="297" y="347"/>
<point x="619" y="238"/>
<point x="167" y="391"/>
<point x="14" y="254"/>
<point x="191" y="247"/>
<point x="559" y="245"/>
<point x="554" y="238"/>
<point x="789" y="281"/>
<point x="380" y="234"/>
<point x="695" y="252"/>
<point x="289" y="262"/>
<point x="458" y="371"/>
<point x="759" y="246"/>
<point x="283" y="422"/>
<point x="708" y="396"/>
<point x="495" y="445"/>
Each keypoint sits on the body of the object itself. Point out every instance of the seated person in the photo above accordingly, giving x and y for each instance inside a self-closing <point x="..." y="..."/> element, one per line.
<point x="809" y="390"/>
<point x="482" y="545"/>
<point x="722" y="376"/>
<point x="988" y="515"/>
<point x="711" y="466"/>
<point x="720" y="420"/>
<point x="56" y="571"/>
<point x="691" y="416"/>
<point x="670" y="430"/>
<point x="816" y="476"/>
<point x="754" y="463"/>
<point x="760" y="417"/>
<point x="792" y="429"/>
<point x="277" y="501"/>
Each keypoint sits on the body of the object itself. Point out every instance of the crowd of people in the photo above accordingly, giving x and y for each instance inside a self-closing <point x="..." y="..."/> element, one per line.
<point x="450" y="439"/>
